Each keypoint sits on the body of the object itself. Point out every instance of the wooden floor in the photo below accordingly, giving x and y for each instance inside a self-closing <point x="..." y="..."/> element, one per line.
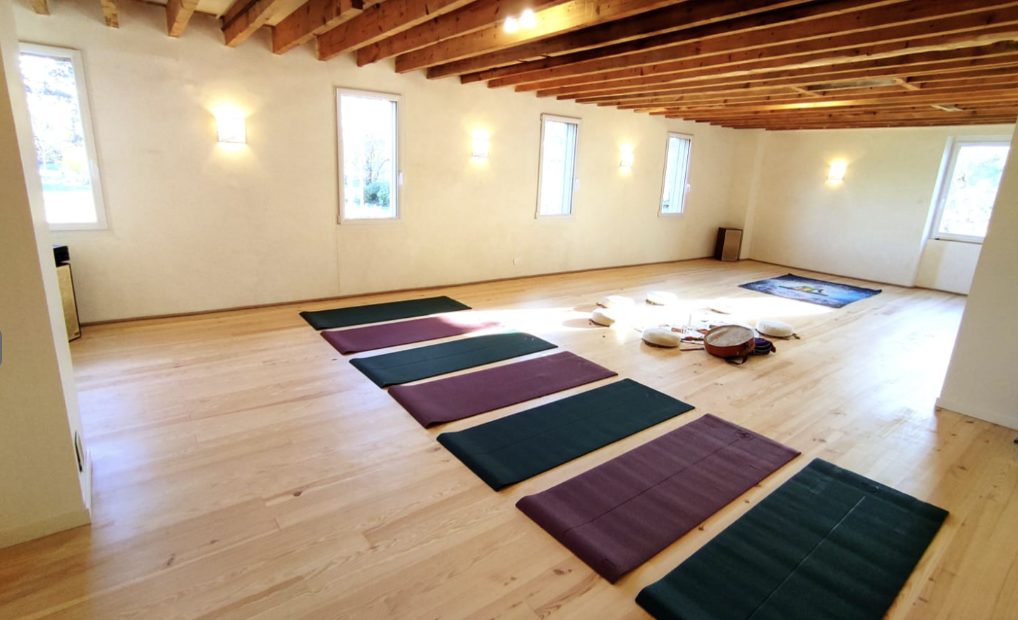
<point x="243" y="469"/>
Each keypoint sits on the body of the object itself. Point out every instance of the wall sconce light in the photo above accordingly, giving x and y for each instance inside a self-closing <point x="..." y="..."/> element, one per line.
<point x="527" y="20"/>
<point x="230" y="127"/>
<point x="479" y="145"/>
<point x="836" y="172"/>
<point x="626" y="158"/>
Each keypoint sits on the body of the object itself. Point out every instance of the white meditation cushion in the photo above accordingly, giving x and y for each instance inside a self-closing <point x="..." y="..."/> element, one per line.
<point x="661" y="298"/>
<point x="661" y="336"/>
<point x="616" y="301"/>
<point x="777" y="329"/>
<point x="602" y="316"/>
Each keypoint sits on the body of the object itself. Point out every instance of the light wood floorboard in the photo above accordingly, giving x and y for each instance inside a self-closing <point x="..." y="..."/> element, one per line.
<point x="243" y="469"/>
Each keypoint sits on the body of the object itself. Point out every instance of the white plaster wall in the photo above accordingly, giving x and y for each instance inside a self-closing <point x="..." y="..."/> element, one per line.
<point x="195" y="227"/>
<point x="948" y="265"/>
<point x="41" y="490"/>
<point x="874" y="225"/>
<point x="980" y="379"/>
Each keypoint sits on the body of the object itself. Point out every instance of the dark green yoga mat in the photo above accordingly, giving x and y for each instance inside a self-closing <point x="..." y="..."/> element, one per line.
<point x="519" y="446"/>
<point x="376" y="313"/>
<point x="438" y="359"/>
<point x="828" y="543"/>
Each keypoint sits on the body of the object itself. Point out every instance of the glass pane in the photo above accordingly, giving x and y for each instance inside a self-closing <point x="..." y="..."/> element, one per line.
<point x="676" y="175"/>
<point x="59" y="135"/>
<point x="972" y="189"/>
<point x="368" y="136"/>
<point x="558" y="164"/>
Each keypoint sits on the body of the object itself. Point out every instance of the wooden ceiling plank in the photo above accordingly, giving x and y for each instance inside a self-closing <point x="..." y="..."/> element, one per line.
<point x="892" y="23"/>
<point x="239" y="25"/>
<point x="552" y="21"/>
<point x="382" y="21"/>
<point x="999" y="53"/>
<point x="110" y="14"/>
<point x="178" y="14"/>
<point x="959" y="69"/>
<point x="636" y="30"/>
<point x="867" y="45"/>
<point x="310" y="19"/>
<point x="471" y="18"/>
<point x="744" y="23"/>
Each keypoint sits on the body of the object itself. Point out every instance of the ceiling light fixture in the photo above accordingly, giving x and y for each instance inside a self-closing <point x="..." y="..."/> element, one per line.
<point x="526" y="21"/>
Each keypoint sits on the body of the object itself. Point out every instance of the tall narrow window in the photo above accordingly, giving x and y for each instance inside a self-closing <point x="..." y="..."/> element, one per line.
<point x="368" y="165"/>
<point x="673" y="199"/>
<point x="557" y="177"/>
<point x="968" y="188"/>
<point x="62" y="130"/>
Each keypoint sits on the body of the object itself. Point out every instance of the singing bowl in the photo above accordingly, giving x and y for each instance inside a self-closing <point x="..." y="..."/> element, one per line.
<point x="729" y="341"/>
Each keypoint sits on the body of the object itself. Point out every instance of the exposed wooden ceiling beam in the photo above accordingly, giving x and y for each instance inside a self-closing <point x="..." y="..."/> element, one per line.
<point x="312" y="18"/>
<point x="556" y="20"/>
<point x="110" y="13"/>
<point x="920" y="75"/>
<point x="868" y="45"/>
<point x="825" y="35"/>
<point x="636" y="30"/>
<point x="41" y="7"/>
<point x="471" y="18"/>
<point x="949" y="62"/>
<point x="240" y="23"/>
<point x="381" y="21"/>
<point x="178" y="14"/>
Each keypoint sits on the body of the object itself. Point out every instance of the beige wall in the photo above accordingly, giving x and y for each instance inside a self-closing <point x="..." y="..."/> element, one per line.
<point x="41" y="490"/>
<point x="196" y="227"/>
<point x="981" y="376"/>
<point x="874" y="225"/>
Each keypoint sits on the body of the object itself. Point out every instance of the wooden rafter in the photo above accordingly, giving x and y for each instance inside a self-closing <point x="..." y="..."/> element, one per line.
<point x="41" y="6"/>
<point x="552" y="21"/>
<point x="830" y="36"/>
<point x="244" y="17"/>
<point x="310" y="19"/>
<point x="178" y="14"/>
<point x="471" y="18"/>
<point x="625" y="35"/>
<point x="381" y="21"/>
<point x="110" y="15"/>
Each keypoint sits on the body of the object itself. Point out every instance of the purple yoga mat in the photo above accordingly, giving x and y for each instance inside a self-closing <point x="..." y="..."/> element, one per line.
<point x="402" y="332"/>
<point x="619" y="514"/>
<point x="462" y="396"/>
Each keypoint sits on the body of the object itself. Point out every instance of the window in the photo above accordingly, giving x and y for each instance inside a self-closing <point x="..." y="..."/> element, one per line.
<point x="557" y="175"/>
<point x="368" y="163"/>
<point x="62" y="131"/>
<point x="968" y="187"/>
<point x="676" y="184"/>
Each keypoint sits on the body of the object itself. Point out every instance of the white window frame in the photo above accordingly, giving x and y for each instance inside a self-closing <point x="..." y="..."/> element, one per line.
<point x="397" y="186"/>
<point x="664" y="176"/>
<point x="950" y="160"/>
<point x="540" y="166"/>
<point x="86" y="125"/>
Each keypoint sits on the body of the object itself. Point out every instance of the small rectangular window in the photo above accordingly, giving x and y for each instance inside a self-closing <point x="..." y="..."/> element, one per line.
<point x="557" y="176"/>
<point x="968" y="187"/>
<point x="676" y="183"/>
<point x="368" y="163"/>
<point x="54" y="83"/>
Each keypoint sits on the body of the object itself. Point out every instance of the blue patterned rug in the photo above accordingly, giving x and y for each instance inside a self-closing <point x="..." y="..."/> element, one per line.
<point x="819" y="292"/>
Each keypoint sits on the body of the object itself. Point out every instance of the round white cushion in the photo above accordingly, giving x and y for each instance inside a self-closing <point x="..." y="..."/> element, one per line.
<point x="661" y="298"/>
<point x="615" y="301"/>
<point x="777" y="329"/>
<point x="602" y="317"/>
<point x="661" y="336"/>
